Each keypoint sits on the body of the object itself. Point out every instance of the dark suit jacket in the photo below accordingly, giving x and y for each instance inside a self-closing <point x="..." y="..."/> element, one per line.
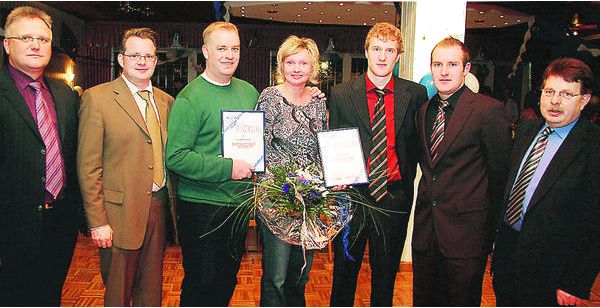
<point x="23" y="165"/>
<point x="559" y="243"/>
<point x="349" y="108"/>
<point x="460" y="193"/>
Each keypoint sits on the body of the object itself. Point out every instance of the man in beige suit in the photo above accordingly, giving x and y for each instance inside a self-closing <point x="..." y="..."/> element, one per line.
<point x="120" y="159"/>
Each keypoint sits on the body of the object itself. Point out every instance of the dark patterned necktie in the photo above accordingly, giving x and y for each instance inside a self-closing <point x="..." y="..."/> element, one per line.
<point x="378" y="155"/>
<point x="49" y="133"/>
<point x="517" y="196"/>
<point x="437" y="133"/>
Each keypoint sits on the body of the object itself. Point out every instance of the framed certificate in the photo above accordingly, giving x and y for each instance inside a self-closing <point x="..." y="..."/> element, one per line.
<point x="342" y="157"/>
<point x="244" y="137"/>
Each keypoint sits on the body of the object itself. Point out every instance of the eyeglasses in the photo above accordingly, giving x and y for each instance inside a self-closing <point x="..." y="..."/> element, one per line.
<point x="147" y="58"/>
<point x="561" y="94"/>
<point x="29" y="39"/>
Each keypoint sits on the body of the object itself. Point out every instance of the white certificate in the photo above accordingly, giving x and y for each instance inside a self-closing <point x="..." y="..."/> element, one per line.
<point x="244" y="137"/>
<point x="342" y="157"/>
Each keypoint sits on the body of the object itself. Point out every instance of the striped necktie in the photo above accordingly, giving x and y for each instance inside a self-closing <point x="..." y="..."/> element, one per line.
<point x="155" y="135"/>
<point x="515" y="202"/>
<point x="378" y="155"/>
<point x="49" y="133"/>
<point x="439" y="126"/>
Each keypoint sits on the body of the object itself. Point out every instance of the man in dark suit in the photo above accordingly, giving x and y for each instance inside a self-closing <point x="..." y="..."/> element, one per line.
<point x="40" y="203"/>
<point x="464" y="140"/>
<point x="383" y="108"/>
<point x="548" y="248"/>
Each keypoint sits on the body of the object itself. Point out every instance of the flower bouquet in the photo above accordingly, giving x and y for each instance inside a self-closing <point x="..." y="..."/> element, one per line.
<point x="296" y="206"/>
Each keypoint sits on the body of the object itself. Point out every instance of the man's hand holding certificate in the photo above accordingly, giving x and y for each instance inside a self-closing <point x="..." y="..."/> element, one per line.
<point x="243" y="137"/>
<point x="342" y="157"/>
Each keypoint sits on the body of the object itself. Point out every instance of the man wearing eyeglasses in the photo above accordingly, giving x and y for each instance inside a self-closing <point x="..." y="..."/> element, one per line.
<point x="546" y="252"/>
<point x="39" y="196"/>
<point x="122" y="174"/>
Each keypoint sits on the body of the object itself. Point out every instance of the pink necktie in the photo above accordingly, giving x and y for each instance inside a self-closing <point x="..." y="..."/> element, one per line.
<point x="54" y="162"/>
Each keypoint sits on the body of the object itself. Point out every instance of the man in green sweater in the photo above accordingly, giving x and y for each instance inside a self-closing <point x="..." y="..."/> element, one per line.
<point x="209" y="185"/>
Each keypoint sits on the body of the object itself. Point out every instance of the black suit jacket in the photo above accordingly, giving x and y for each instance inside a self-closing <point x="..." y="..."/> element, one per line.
<point x="559" y="243"/>
<point x="23" y="165"/>
<point x="349" y="108"/>
<point x="460" y="193"/>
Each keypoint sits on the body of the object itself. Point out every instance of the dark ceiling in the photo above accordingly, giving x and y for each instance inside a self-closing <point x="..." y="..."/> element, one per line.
<point x="203" y="11"/>
<point x="144" y="11"/>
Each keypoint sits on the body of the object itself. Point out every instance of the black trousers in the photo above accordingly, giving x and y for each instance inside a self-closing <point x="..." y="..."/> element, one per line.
<point x="514" y="288"/>
<point x="385" y="232"/>
<point x="212" y="243"/>
<point x="35" y="276"/>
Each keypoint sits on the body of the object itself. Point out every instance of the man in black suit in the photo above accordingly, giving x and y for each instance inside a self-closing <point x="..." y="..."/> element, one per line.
<point x="548" y="248"/>
<point x="465" y="141"/>
<point x="40" y="201"/>
<point x="383" y="108"/>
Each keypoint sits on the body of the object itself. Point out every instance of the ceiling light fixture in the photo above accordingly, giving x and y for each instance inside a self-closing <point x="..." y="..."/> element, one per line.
<point x="348" y="10"/>
<point x="341" y="3"/>
<point x="338" y="17"/>
<point x="386" y="11"/>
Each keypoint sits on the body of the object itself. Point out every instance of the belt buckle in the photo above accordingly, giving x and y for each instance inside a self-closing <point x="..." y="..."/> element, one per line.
<point x="48" y="206"/>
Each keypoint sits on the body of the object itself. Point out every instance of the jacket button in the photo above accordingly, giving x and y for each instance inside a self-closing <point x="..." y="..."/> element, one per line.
<point x="40" y="207"/>
<point x="43" y="179"/>
<point x="43" y="151"/>
<point x="434" y="203"/>
<point x="434" y="178"/>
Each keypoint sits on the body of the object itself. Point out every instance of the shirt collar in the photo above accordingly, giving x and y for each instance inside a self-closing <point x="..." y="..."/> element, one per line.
<point x="453" y="99"/>
<point x="205" y="76"/>
<point x="389" y="87"/>
<point x="563" y="132"/>
<point x="134" y="89"/>
<point x="23" y="80"/>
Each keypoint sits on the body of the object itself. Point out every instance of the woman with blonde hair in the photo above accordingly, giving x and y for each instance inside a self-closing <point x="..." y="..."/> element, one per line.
<point x="293" y="116"/>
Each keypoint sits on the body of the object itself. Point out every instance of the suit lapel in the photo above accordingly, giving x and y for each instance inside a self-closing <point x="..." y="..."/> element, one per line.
<point x="401" y="100"/>
<point x="359" y="90"/>
<point x="563" y="158"/>
<point x="464" y="107"/>
<point x="423" y="132"/>
<point x="61" y="114"/>
<point x="14" y="98"/>
<point x="162" y="106"/>
<point x="125" y="99"/>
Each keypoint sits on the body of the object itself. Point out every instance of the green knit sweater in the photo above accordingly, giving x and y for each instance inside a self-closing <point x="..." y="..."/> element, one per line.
<point x="194" y="141"/>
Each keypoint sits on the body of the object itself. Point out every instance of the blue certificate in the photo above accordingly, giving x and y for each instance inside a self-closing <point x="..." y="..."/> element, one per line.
<point x="342" y="157"/>
<point x="244" y="137"/>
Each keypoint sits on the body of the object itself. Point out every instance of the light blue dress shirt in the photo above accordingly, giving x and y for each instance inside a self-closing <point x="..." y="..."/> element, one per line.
<point x="555" y="140"/>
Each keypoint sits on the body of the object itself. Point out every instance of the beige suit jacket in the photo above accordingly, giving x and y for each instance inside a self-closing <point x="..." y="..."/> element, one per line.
<point x="114" y="160"/>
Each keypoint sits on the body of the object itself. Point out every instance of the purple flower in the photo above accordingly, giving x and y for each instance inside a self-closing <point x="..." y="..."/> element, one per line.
<point x="286" y="188"/>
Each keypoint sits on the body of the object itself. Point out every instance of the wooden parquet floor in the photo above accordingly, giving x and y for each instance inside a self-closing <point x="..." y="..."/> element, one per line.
<point x="84" y="287"/>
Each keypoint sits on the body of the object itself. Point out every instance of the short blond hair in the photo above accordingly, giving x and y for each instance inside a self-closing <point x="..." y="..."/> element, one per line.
<point x="385" y="31"/>
<point x="450" y="41"/>
<point x="291" y="46"/>
<point x="29" y="12"/>
<point x="218" y="25"/>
